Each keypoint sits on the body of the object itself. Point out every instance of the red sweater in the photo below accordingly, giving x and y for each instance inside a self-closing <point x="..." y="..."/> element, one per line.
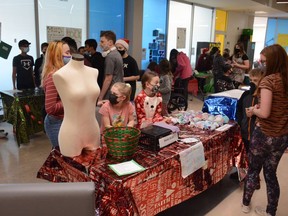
<point x="143" y="108"/>
<point x="184" y="69"/>
<point x="53" y="103"/>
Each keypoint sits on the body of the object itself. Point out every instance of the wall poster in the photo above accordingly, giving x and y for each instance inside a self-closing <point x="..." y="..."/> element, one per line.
<point x="57" y="33"/>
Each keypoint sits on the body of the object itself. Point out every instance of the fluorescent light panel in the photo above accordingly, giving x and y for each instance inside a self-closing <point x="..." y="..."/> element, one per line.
<point x="282" y="2"/>
<point x="260" y="12"/>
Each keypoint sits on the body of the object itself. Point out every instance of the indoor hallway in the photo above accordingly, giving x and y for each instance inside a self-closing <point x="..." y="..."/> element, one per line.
<point x="20" y="165"/>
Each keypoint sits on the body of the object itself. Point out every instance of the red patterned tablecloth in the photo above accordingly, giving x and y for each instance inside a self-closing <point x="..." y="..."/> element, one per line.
<point x="161" y="185"/>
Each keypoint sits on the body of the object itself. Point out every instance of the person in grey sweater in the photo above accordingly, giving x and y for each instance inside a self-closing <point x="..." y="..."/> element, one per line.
<point x="166" y="78"/>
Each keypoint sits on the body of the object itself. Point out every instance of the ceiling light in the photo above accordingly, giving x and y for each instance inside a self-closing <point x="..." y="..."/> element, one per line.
<point x="282" y="2"/>
<point x="260" y="12"/>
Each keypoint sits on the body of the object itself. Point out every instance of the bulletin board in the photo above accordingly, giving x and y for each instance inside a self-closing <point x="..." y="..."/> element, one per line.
<point x="57" y="33"/>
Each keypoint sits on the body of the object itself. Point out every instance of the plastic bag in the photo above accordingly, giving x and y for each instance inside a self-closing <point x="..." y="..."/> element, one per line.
<point x="221" y="105"/>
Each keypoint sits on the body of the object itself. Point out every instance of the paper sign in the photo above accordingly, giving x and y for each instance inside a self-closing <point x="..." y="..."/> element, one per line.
<point x="126" y="168"/>
<point x="4" y="50"/>
<point x="167" y="140"/>
<point x="192" y="159"/>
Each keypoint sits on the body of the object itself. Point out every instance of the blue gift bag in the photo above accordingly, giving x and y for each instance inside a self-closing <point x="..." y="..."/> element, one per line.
<point x="221" y="105"/>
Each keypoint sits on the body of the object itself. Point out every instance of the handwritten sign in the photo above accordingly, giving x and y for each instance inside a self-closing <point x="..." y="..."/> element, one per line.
<point x="192" y="159"/>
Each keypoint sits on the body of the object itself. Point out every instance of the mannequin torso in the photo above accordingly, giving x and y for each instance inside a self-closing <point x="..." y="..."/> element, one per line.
<point x="78" y="89"/>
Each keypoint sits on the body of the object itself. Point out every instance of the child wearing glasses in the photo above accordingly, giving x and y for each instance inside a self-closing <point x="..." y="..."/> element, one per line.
<point x="148" y="102"/>
<point x="118" y="110"/>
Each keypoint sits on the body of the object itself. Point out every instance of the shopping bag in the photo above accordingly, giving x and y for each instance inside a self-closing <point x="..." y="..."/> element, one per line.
<point x="221" y="105"/>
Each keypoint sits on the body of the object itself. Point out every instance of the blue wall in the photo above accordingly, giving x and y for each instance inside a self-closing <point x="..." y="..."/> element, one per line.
<point x="274" y="27"/>
<point x="106" y="15"/>
<point x="154" y="18"/>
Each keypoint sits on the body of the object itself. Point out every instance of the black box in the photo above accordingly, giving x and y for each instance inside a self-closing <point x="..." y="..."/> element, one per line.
<point x="149" y="138"/>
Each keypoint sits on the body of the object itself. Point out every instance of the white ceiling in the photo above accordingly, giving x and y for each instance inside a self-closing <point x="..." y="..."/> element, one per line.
<point x="247" y="6"/>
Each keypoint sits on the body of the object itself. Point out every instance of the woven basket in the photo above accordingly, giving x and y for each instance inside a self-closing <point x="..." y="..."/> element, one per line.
<point x="121" y="142"/>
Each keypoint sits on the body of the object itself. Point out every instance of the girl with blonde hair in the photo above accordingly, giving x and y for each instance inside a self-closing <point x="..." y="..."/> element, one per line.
<point x="118" y="110"/>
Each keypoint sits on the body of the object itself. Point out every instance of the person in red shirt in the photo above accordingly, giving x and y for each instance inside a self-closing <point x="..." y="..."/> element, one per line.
<point x="181" y="68"/>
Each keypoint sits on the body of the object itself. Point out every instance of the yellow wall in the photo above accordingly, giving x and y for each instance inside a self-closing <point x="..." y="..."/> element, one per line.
<point x="221" y="20"/>
<point x="220" y="28"/>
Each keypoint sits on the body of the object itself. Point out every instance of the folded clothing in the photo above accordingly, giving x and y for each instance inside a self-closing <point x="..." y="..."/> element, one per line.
<point x="168" y="126"/>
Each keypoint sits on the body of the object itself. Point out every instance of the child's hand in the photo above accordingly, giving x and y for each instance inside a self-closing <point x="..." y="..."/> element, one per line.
<point x="167" y="120"/>
<point x="100" y="103"/>
<point x="249" y="111"/>
<point x="146" y="123"/>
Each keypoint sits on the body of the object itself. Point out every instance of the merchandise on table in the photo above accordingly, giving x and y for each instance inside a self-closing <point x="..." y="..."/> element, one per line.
<point x="199" y="119"/>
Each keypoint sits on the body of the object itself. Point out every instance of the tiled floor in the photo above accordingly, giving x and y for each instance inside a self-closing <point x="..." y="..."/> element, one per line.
<point x="20" y="165"/>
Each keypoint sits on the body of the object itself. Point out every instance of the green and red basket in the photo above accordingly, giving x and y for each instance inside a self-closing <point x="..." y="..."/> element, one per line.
<point x="122" y="142"/>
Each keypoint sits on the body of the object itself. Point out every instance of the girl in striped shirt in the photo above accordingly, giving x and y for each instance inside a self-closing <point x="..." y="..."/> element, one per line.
<point x="57" y="54"/>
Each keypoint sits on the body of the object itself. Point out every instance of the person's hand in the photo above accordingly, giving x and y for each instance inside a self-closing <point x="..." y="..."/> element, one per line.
<point x="167" y="120"/>
<point x="146" y="123"/>
<point x="101" y="102"/>
<point x="249" y="111"/>
<point x="234" y="64"/>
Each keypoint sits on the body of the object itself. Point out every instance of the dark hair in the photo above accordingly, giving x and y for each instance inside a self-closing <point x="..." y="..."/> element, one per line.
<point x="241" y="47"/>
<point x="71" y="43"/>
<point x="227" y="50"/>
<point x="91" y="43"/>
<point x="45" y="44"/>
<point x="173" y="54"/>
<point x="152" y="66"/>
<point x="109" y="35"/>
<point x="276" y="62"/>
<point x="164" y="67"/>
<point x="214" y="50"/>
<point x="81" y="47"/>
<point x="226" y="53"/>
<point x="227" y="67"/>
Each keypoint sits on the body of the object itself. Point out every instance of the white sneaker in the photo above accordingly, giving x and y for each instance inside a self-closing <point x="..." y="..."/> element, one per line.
<point x="261" y="211"/>
<point x="246" y="209"/>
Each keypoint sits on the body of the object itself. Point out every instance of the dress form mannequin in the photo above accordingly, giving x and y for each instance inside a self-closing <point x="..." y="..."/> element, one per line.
<point x="78" y="88"/>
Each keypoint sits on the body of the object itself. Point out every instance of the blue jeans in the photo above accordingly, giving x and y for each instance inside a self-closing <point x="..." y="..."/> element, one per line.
<point x="52" y="126"/>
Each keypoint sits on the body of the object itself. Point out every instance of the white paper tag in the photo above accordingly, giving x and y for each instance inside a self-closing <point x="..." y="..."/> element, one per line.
<point x="164" y="141"/>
